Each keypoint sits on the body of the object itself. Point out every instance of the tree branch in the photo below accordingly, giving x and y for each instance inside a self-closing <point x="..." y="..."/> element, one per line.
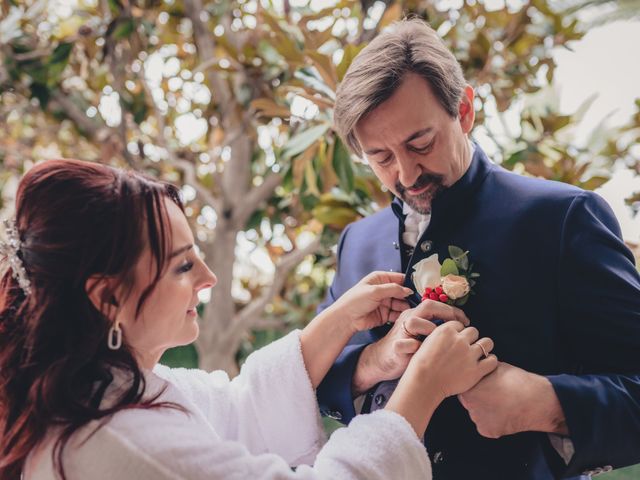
<point x="205" y="44"/>
<point x="188" y="168"/>
<point x="96" y="131"/>
<point x="256" y="196"/>
<point x="248" y="316"/>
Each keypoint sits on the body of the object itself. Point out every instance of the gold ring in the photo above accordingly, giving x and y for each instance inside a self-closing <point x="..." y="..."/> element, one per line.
<point x="408" y="333"/>
<point x="484" y="350"/>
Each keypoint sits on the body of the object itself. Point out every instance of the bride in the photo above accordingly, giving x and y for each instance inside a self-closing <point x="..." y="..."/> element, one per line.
<point x="103" y="277"/>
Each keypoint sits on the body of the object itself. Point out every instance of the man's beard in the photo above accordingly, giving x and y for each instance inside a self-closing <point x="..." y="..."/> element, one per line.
<point x="422" y="203"/>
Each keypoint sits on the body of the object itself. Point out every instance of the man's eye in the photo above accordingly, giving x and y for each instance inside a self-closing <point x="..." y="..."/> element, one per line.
<point x="422" y="149"/>
<point x="385" y="161"/>
<point x="185" y="267"/>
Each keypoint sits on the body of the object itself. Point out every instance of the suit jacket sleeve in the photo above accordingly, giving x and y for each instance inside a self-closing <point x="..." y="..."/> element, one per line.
<point x="334" y="392"/>
<point x="599" y="296"/>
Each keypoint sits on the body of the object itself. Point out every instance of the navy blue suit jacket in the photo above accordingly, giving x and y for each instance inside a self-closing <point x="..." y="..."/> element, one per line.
<point x="558" y="293"/>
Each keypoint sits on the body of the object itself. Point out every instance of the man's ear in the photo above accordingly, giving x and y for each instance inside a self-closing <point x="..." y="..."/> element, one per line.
<point x="466" y="111"/>
<point x="100" y="292"/>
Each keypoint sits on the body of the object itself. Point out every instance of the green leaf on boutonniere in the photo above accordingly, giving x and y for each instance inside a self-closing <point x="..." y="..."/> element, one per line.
<point x="456" y="252"/>
<point x="449" y="267"/>
<point x="461" y="301"/>
<point x="460" y="257"/>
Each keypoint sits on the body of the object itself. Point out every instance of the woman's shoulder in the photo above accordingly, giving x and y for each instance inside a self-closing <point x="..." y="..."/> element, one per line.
<point x="131" y="443"/>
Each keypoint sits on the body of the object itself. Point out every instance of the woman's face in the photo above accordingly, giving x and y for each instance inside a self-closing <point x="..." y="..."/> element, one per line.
<point x="168" y="317"/>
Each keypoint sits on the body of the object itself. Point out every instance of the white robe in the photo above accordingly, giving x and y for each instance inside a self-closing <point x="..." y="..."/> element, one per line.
<point x="252" y="427"/>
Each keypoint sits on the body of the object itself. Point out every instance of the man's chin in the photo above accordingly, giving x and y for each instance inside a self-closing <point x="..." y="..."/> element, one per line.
<point x="420" y="204"/>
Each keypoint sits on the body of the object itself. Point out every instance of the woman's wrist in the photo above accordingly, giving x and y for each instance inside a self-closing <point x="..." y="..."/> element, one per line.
<point x="416" y="398"/>
<point x="334" y="319"/>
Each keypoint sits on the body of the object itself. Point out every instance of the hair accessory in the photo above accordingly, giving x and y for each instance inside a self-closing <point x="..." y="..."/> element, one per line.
<point x="10" y="248"/>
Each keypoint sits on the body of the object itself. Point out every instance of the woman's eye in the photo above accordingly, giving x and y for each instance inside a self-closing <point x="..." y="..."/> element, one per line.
<point x="185" y="267"/>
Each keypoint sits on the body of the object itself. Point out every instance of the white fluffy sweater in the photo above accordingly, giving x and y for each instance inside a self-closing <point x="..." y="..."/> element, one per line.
<point x="255" y="426"/>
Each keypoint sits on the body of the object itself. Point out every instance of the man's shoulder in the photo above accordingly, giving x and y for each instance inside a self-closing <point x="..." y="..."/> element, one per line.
<point x="522" y="189"/>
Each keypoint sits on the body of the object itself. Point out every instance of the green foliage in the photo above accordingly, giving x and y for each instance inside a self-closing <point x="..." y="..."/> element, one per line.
<point x="628" y="473"/>
<point x="186" y="357"/>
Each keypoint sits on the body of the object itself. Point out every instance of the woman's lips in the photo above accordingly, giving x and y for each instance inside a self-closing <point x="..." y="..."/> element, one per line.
<point x="192" y="312"/>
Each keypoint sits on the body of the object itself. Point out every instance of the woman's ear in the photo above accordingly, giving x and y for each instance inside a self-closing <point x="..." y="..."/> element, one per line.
<point x="100" y="292"/>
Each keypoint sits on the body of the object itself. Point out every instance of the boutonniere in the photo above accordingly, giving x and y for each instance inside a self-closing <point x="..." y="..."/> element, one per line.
<point x="451" y="282"/>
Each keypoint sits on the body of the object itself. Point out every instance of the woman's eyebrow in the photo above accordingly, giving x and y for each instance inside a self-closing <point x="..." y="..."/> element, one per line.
<point x="180" y="250"/>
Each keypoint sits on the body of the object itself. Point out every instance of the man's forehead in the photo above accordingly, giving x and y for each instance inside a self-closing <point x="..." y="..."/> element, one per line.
<point x="370" y="138"/>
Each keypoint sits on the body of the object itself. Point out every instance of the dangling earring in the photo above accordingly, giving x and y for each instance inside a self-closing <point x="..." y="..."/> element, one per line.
<point x="114" y="340"/>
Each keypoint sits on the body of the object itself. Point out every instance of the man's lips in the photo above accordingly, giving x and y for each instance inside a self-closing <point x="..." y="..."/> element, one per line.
<point x="418" y="191"/>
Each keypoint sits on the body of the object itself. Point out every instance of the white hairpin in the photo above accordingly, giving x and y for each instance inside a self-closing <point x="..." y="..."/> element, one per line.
<point x="10" y="248"/>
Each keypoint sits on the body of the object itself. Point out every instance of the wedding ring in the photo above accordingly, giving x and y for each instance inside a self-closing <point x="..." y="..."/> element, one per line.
<point x="408" y="333"/>
<point x="484" y="350"/>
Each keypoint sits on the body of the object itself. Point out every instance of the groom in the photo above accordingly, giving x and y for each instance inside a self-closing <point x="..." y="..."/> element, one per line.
<point x="558" y="290"/>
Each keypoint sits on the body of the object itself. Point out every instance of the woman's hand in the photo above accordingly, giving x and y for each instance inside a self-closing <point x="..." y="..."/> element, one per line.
<point x="388" y="358"/>
<point x="452" y="359"/>
<point x="376" y="299"/>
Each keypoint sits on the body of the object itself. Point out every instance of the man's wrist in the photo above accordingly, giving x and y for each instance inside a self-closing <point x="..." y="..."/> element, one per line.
<point x="548" y="416"/>
<point x="366" y="374"/>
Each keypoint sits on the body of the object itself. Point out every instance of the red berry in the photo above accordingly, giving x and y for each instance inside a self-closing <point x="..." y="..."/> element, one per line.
<point x="427" y="291"/>
<point x="439" y="290"/>
<point x="433" y="296"/>
<point x="443" y="298"/>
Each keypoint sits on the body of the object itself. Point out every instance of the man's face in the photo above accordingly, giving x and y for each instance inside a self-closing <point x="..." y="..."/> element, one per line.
<point x="413" y="145"/>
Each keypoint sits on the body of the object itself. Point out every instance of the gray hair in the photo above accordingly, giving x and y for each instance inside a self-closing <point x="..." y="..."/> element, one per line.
<point x="408" y="46"/>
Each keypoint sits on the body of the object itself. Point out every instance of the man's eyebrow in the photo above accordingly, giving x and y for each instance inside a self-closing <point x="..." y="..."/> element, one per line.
<point x="418" y="134"/>
<point x="410" y="138"/>
<point x="180" y="250"/>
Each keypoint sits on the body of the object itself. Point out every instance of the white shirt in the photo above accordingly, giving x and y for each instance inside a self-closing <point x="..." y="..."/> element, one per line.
<point x="252" y="427"/>
<point x="414" y="225"/>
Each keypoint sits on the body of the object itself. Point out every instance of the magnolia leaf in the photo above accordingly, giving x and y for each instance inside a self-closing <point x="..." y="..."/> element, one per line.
<point x="337" y="217"/>
<point x="594" y="182"/>
<point x="449" y="267"/>
<point x="300" y="164"/>
<point x="350" y="52"/>
<point x="342" y="164"/>
<point x="327" y="173"/>
<point x="325" y="68"/>
<point x="124" y="29"/>
<point x="265" y="107"/>
<point x="393" y="14"/>
<point x="305" y="139"/>
<point x="311" y="179"/>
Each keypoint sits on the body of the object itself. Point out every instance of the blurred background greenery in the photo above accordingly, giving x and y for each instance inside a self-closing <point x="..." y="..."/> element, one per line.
<point x="232" y="100"/>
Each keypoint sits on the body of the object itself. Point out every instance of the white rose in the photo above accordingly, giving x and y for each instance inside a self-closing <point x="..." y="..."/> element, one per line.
<point x="455" y="286"/>
<point x="426" y="273"/>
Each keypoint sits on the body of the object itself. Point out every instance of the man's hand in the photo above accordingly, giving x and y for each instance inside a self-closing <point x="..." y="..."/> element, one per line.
<point x="388" y="358"/>
<point x="511" y="400"/>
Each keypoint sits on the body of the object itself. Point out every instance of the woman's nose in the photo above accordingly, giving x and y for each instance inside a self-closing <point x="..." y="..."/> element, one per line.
<point x="208" y="280"/>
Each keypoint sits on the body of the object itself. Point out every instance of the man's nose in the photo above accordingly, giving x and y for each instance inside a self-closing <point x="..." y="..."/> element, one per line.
<point x="408" y="170"/>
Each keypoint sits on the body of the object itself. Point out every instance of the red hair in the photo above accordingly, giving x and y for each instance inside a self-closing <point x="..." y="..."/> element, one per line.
<point x="76" y="220"/>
